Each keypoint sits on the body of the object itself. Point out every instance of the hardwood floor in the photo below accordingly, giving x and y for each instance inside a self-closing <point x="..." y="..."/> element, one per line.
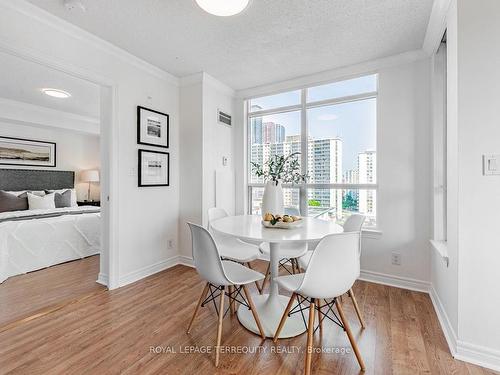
<point x="114" y="332"/>
<point x="23" y="296"/>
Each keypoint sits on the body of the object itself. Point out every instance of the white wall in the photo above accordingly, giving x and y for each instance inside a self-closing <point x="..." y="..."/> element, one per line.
<point x="444" y="277"/>
<point x="467" y="291"/>
<point x="478" y="53"/>
<point x="404" y="166"/>
<point x="74" y="152"/>
<point x="404" y="173"/>
<point x="148" y="217"/>
<point x="191" y="162"/>
<point x="204" y="141"/>
<point x="217" y="143"/>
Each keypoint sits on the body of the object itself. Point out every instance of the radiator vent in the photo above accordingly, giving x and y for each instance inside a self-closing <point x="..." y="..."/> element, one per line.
<point x="224" y="118"/>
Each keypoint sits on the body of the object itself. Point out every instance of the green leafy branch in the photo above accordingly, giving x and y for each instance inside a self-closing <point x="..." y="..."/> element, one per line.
<point x="280" y="168"/>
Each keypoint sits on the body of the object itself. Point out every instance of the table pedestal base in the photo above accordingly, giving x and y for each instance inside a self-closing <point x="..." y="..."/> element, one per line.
<point x="270" y="310"/>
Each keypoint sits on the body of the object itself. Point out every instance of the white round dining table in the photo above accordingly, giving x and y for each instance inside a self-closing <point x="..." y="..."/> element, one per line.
<point x="270" y="307"/>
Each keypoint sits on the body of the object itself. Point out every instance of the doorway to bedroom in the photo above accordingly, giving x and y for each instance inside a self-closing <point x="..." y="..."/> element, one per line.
<point x="53" y="175"/>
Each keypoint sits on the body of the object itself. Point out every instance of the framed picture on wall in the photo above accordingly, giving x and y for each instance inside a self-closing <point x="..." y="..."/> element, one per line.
<point x="154" y="168"/>
<point x="152" y="127"/>
<point x="18" y="151"/>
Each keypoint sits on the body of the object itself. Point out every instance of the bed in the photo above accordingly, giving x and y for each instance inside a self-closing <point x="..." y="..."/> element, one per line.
<point x="38" y="238"/>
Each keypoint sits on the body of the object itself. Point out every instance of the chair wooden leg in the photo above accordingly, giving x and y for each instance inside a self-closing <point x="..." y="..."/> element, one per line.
<point x="320" y="320"/>
<point x="349" y="335"/>
<point x="285" y="315"/>
<point x="310" y="331"/>
<point x="202" y="297"/>
<point x="219" y="327"/>
<point x="356" y="307"/>
<point x="254" y="312"/>
<point x="294" y="270"/>
<point x="268" y="270"/>
<point x="256" y="282"/>
<point x="231" y="301"/>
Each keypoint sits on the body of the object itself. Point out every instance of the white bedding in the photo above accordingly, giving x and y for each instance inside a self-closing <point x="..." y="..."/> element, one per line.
<point x="32" y="244"/>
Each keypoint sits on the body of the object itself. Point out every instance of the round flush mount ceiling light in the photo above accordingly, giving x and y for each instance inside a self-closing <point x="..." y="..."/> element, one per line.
<point x="55" y="93"/>
<point x="223" y="8"/>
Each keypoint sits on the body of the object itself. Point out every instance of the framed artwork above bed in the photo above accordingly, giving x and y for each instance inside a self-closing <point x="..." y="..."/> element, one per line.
<point x="19" y="151"/>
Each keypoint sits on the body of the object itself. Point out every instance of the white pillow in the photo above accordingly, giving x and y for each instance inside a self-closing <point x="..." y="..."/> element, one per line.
<point x="36" y="203"/>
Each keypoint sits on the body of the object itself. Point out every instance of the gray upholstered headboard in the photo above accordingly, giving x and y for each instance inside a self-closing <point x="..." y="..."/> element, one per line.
<point x="35" y="179"/>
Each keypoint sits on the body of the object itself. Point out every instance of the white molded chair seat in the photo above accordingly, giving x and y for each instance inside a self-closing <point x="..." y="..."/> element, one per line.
<point x="237" y="250"/>
<point x="287" y="250"/>
<point x="240" y="275"/>
<point x="230" y="247"/>
<point x="290" y="282"/>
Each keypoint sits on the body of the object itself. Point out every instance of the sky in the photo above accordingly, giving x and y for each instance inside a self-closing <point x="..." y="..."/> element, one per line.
<point x="354" y="122"/>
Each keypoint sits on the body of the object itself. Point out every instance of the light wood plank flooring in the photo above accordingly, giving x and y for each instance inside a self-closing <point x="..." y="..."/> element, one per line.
<point x="113" y="332"/>
<point x="25" y="295"/>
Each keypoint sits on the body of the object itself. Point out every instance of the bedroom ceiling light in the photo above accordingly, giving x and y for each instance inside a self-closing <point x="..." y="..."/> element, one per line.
<point x="55" y="93"/>
<point x="223" y="8"/>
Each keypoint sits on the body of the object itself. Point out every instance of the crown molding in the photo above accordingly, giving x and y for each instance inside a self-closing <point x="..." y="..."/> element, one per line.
<point x="33" y="115"/>
<point x="346" y="72"/>
<point x="78" y="33"/>
<point x="436" y="26"/>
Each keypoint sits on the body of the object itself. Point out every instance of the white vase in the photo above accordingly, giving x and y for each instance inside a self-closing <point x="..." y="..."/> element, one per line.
<point x="272" y="201"/>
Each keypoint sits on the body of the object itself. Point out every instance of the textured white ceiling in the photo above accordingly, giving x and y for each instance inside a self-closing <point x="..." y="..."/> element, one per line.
<point x="273" y="40"/>
<point x="22" y="81"/>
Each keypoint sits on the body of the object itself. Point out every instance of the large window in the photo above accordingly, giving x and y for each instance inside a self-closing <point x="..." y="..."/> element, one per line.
<point x="334" y="127"/>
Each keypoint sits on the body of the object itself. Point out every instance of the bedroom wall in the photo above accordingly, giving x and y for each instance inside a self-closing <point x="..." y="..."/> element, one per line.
<point x="147" y="218"/>
<point x="75" y="151"/>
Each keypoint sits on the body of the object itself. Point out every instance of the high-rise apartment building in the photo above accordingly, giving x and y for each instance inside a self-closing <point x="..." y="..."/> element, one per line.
<point x="324" y="166"/>
<point x="272" y="132"/>
<point x="367" y="165"/>
<point x="256" y="127"/>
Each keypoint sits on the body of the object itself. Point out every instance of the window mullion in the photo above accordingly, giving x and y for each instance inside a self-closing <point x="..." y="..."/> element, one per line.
<point x="304" y="149"/>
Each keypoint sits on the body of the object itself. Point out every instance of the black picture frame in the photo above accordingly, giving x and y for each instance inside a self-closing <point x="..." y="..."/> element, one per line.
<point x="142" y="142"/>
<point x="140" y="154"/>
<point x="51" y="144"/>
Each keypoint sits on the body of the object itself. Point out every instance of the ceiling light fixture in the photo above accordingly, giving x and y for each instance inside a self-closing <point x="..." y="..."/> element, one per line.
<point x="223" y="8"/>
<point x="55" y="93"/>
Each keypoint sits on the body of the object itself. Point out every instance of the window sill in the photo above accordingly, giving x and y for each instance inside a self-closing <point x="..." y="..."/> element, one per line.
<point x="371" y="233"/>
<point x="442" y="249"/>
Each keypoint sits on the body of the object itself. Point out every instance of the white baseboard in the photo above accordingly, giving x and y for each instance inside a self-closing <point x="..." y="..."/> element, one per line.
<point x="103" y="279"/>
<point x="461" y="350"/>
<point x="478" y="355"/>
<point x="186" y="261"/>
<point x="449" y="333"/>
<point x="148" y="271"/>
<point x="396" y="281"/>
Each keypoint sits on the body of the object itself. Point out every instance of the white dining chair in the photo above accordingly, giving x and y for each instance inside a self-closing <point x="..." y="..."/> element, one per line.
<point x="225" y="277"/>
<point x="230" y="247"/>
<point x="322" y="282"/>
<point x="353" y="223"/>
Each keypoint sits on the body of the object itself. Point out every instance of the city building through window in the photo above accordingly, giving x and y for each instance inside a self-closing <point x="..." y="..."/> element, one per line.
<point x="334" y="127"/>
